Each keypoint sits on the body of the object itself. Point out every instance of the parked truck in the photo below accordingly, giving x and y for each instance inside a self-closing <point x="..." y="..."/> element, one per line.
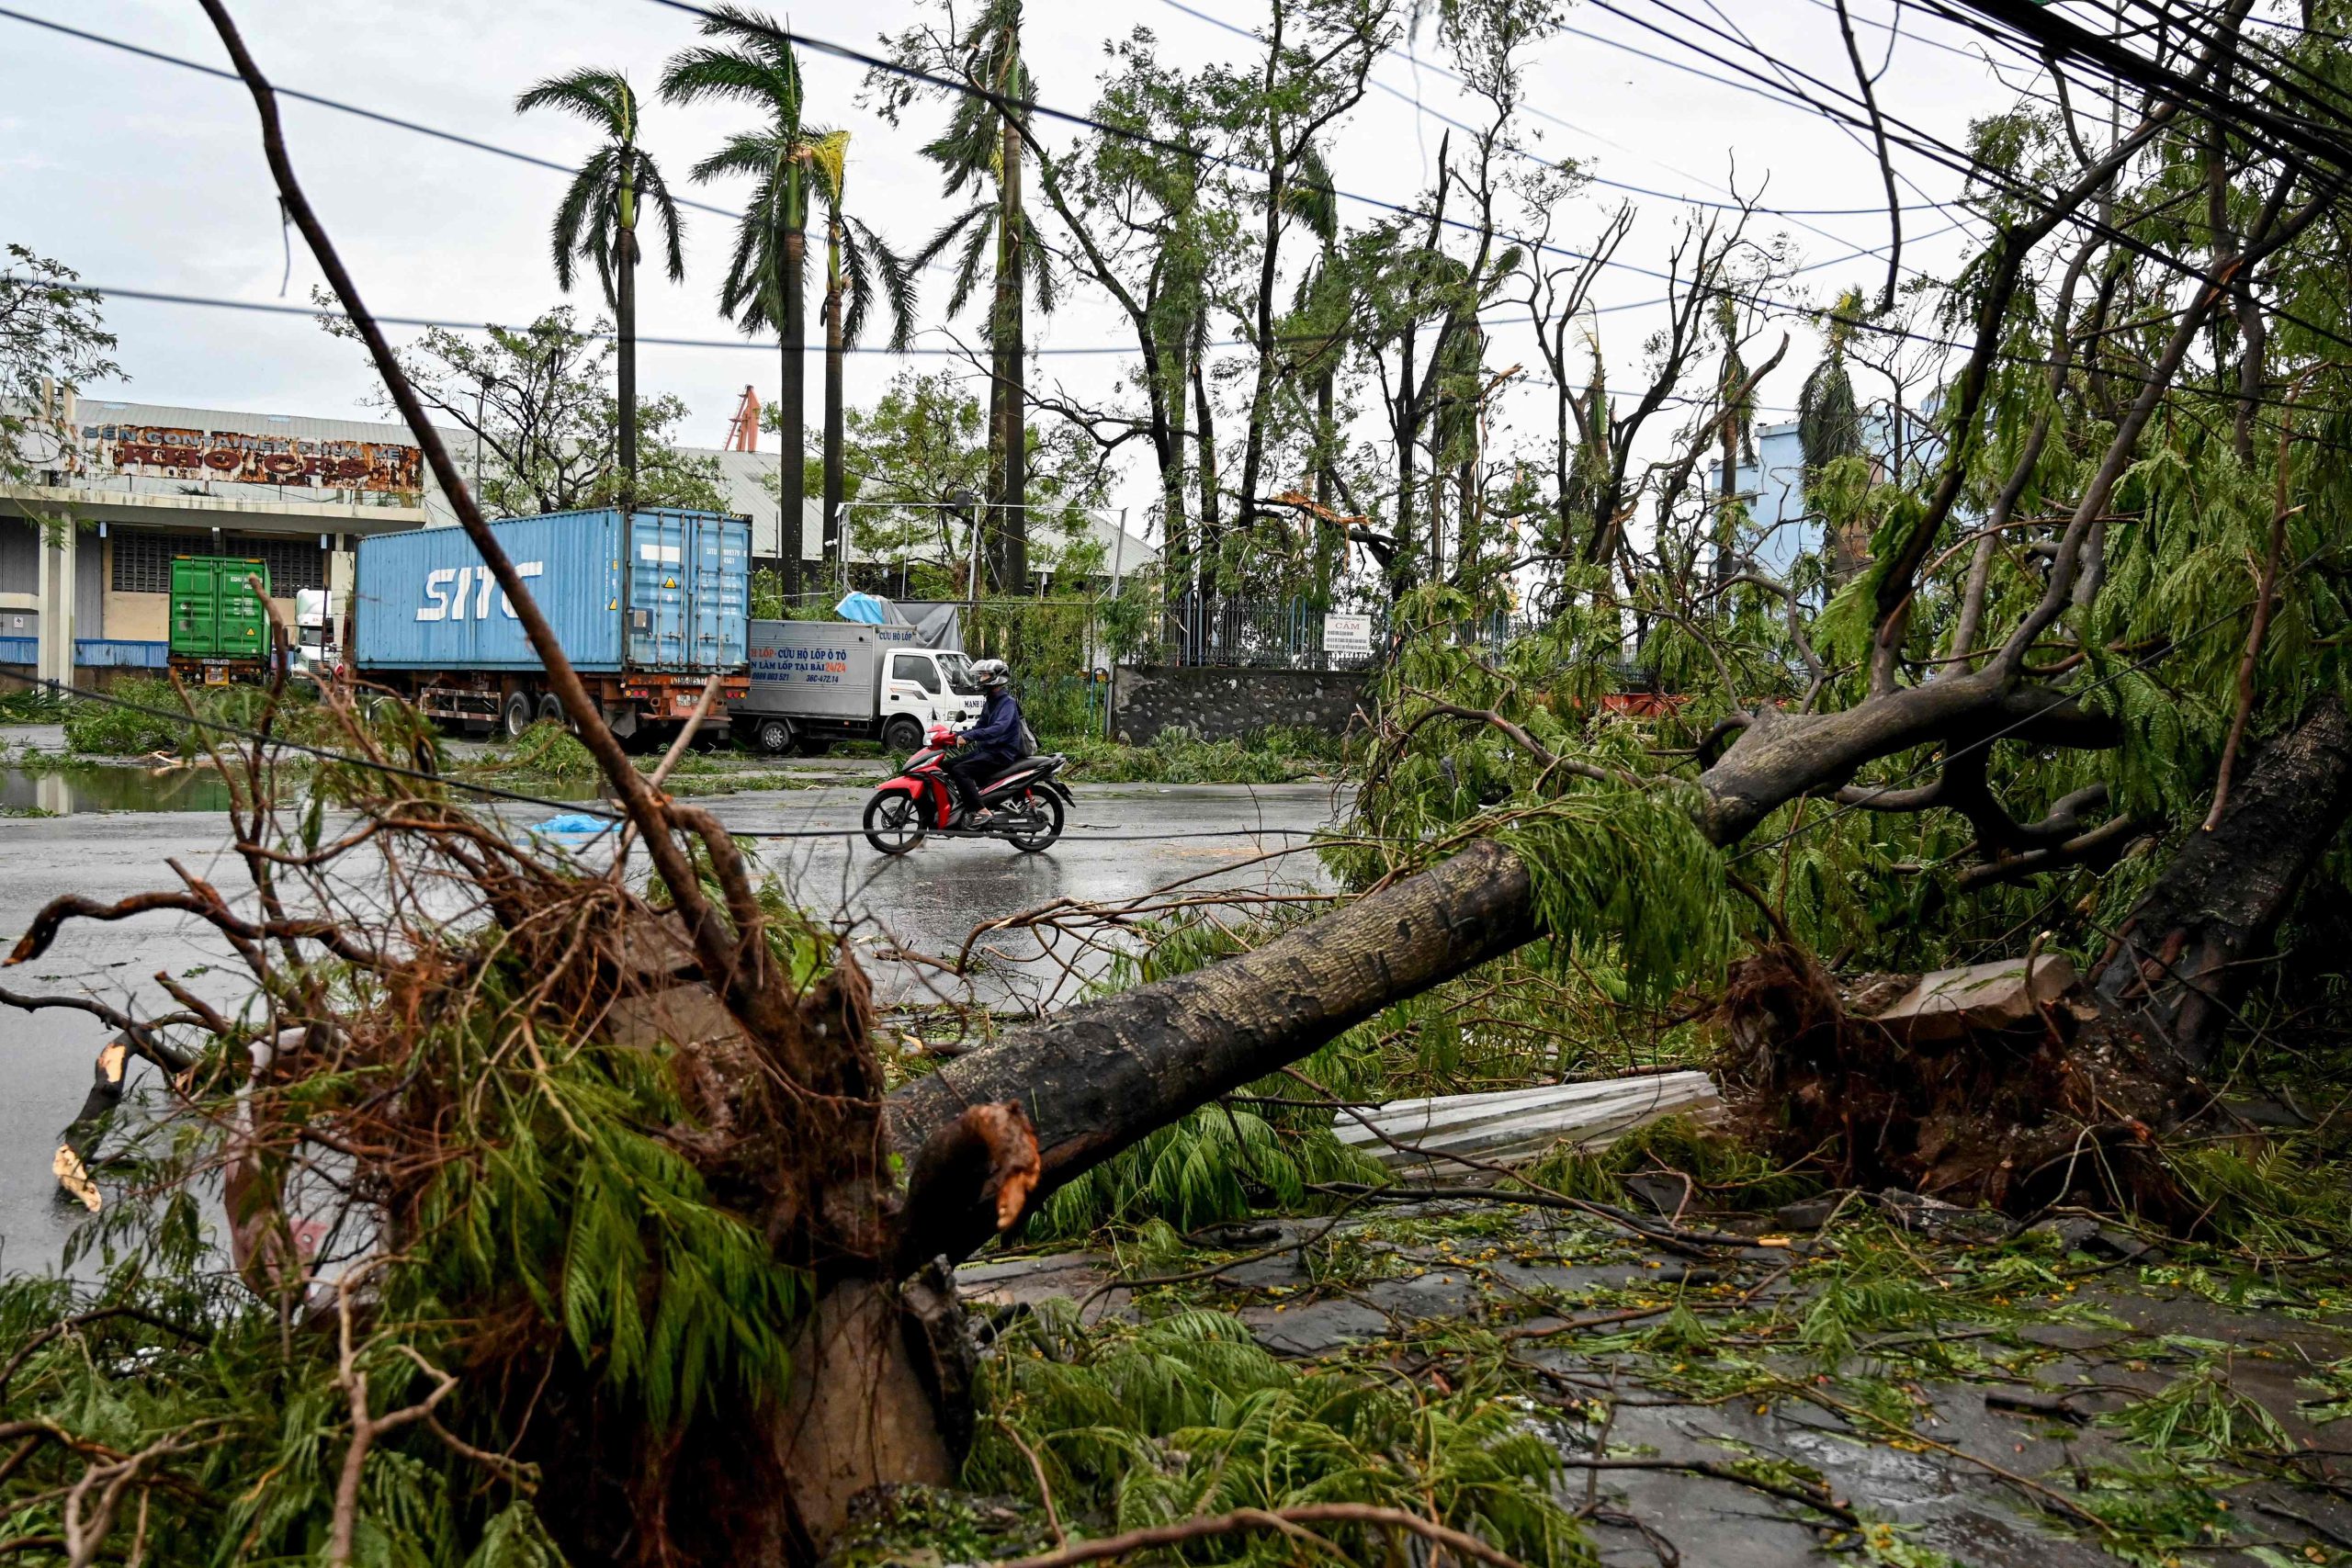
<point x="220" y="628"/>
<point x="647" y="604"/>
<point x="814" y="683"/>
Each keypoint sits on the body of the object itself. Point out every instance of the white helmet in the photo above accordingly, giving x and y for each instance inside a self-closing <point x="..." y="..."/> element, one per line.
<point x="991" y="673"/>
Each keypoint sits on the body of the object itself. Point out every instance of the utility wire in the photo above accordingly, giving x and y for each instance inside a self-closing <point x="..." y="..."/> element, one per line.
<point x="1513" y="315"/>
<point x="1443" y="75"/>
<point x="493" y="148"/>
<point x="587" y="808"/>
<point x="1500" y="316"/>
<point x="1927" y="144"/>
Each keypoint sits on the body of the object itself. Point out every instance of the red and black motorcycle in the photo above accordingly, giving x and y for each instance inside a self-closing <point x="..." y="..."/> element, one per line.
<point x="1025" y="802"/>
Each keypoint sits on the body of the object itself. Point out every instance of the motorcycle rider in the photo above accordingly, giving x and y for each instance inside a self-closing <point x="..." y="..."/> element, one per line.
<point x="992" y="745"/>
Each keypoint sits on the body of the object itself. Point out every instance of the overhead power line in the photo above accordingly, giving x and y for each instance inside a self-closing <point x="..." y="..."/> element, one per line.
<point x="105" y="42"/>
<point x="1446" y="75"/>
<point x="1500" y="316"/>
<point x="517" y="155"/>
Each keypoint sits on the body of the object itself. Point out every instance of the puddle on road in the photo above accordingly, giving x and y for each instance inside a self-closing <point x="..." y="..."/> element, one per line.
<point x="69" y="791"/>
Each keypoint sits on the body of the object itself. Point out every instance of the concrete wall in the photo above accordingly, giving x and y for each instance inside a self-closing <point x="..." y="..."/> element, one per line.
<point x="1219" y="703"/>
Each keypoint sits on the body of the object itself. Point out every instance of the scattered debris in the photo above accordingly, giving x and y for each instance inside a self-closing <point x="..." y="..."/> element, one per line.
<point x="1944" y="1221"/>
<point x="80" y="1138"/>
<point x="1952" y="1004"/>
<point x="1808" y="1214"/>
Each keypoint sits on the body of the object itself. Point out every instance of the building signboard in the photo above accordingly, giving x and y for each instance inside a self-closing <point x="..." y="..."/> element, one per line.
<point x="234" y="456"/>
<point x="1347" y="634"/>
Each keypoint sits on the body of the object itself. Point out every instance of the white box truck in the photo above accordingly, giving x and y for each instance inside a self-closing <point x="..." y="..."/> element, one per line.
<point x="814" y="683"/>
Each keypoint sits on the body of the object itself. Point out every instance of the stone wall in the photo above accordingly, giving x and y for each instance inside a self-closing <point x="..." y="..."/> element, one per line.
<point x="1220" y="703"/>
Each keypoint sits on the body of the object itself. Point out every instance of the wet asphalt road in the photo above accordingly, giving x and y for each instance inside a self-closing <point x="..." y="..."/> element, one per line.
<point x="925" y="902"/>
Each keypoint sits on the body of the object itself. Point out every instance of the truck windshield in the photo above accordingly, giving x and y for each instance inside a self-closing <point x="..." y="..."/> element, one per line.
<point x="959" y="674"/>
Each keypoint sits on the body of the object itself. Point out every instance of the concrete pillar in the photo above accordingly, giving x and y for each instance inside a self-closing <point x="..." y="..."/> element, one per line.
<point x="58" y="629"/>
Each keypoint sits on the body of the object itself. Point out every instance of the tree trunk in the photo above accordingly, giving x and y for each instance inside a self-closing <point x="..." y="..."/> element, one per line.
<point x="791" y="400"/>
<point x="1009" y="433"/>
<point x="1177" y="578"/>
<point x="2185" y="955"/>
<point x="835" y="354"/>
<point x="624" y="324"/>
<point x="1101" y="1077"/>
<point x="1727" y="524"/>
<point x="1210" y="560"/>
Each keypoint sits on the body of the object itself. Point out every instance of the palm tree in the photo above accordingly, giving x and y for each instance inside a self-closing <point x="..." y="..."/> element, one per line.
<point x="596" y="222"/>
<point x="1829" y="426"/>
<point x="856" y="261"/>
<point x="983" y="142"/>
<point x="767" y="284"/>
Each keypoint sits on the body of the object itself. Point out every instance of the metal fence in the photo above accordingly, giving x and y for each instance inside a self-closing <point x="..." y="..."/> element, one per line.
<point x="1262" y="634"/>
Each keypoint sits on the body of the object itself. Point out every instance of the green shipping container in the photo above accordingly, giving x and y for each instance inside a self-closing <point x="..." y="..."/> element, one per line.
<point x="215" y="613"/>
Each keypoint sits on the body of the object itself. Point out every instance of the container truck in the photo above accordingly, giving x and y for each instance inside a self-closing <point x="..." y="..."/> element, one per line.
<point x="814" y="683"/>
<point x="647" y="604"/>
<point x="220" y="626"/>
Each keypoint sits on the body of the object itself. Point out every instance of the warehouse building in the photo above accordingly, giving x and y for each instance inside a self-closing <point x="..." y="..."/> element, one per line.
<point x="121" y="488"/>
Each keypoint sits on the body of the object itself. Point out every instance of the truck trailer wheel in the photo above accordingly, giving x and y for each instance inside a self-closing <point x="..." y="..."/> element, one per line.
<point x="516" y="718"/>
<point x="903" y="734"/>
<point x="551" y="711"/>
<point x="774" y="736"/>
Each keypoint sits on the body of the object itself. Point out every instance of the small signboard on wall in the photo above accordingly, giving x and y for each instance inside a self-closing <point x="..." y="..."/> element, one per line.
<point x="1347" y="634"/>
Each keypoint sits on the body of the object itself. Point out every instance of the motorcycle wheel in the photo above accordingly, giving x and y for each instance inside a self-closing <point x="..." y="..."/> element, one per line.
<point x="1046" y="808"/>
<point x="894" y="824"/>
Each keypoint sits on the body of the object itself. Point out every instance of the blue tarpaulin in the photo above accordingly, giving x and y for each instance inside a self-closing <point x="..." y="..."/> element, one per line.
<point x="575" y="829"/>
<point x="866" y="610"/>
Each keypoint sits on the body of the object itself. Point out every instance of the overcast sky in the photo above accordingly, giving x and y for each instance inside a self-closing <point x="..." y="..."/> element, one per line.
<point x="145" y="176"/>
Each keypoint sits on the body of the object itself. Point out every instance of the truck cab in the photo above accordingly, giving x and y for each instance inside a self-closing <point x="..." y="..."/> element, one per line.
<point x="927" y="687"/>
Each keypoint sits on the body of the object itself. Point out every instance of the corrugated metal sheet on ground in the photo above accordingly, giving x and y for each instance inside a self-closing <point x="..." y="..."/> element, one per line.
<point x="1512" y="1125"/>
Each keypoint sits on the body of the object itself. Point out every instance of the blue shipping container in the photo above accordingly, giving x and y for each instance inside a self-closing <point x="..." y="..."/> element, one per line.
<point x="660" y="591"/>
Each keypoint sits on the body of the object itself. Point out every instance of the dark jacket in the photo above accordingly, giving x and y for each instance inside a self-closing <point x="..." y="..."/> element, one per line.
<point x="997" y="732"/>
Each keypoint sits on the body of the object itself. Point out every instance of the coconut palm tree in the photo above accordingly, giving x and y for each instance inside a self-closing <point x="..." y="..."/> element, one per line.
<point x="596" y="222"/>
<point x="983" y="144"/>
<point x="766" y="283"/>
<point x="857" y="262"/>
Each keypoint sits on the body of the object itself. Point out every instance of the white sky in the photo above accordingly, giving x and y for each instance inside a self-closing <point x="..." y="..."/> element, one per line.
<point x="143" y="175"/>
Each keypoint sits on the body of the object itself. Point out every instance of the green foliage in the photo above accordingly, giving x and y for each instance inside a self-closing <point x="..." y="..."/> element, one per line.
<point x="548" y="750"/>
<point x="2198" y="1418"/>
<point x="2281" y="1199"/>
<point x="1724" y="1172"/>
<point x="1277" y="754"/>
<point x="1623" y="877"/>
<point x="1219" y="1162"/>
<point x="31" y="704"/>
<point x="919" y="453"/>
<point x="52" y="338"/>
<point x="118" y="729"/>
<point x="1188" y="1415"/>
<point x="1872" y="1291"/>
<point x="552" y="1232"/>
